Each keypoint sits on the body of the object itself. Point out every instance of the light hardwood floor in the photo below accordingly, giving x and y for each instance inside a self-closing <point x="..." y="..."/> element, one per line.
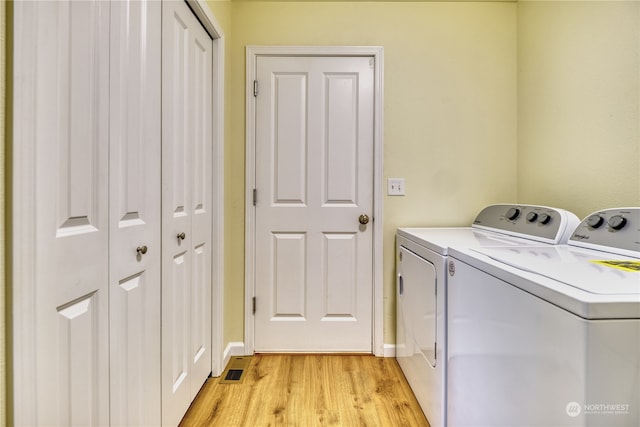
<point x="308" y="391"/>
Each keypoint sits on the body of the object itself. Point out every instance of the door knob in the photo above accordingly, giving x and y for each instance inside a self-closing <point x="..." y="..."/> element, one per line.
<point x="364" y="219"/>
<point x="141" y="250"/>
<point x="182" y="236"/>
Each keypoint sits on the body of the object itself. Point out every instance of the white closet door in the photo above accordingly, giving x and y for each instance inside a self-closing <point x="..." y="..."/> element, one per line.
<point x="200" y="121"/>
<point x="186" y="209"/>
<point x="135" y="251"/>
<point x="61" y="126"/>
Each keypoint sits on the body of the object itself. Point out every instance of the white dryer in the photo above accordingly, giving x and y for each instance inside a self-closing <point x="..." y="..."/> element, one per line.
<point x="422" y="255"/>
<point x="548" y="336"/>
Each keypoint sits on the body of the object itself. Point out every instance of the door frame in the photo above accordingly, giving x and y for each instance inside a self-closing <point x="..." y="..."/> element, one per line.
<point x="252" y="53"/>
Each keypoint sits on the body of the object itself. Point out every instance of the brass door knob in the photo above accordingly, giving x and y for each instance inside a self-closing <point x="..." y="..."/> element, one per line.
<point x="364" y="219"/>
<point x="141" y="250"/>
<point x="182" y="236"/>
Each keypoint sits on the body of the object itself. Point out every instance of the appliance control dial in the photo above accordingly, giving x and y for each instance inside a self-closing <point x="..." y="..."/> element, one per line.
<point x="539" y="223"/>
<point x="513" y="213"/>
<point x="617" y="222"/>
<point x="595" y="221"/>
<point x="615" y="230"/>
<point x="544" y="219"/>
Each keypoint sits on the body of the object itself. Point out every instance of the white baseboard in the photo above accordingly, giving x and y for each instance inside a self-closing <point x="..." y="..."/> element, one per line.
<point x="234" y="348"/>
<point x="389" y="350"/>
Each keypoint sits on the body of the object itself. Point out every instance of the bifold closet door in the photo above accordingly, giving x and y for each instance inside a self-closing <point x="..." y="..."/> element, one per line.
<point x="87" y="185"/>
<point x="186" y="208"/>
<point x="134" y="242"/>
<point x="61" y="160"/>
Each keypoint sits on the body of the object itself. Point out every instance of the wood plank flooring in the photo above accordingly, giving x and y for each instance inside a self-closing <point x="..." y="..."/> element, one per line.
<point x="308" y="391"/>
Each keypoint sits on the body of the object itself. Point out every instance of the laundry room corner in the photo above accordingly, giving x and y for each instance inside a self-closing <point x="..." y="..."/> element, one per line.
<point x="233" y="198"/>
<point x="579" y="104"/>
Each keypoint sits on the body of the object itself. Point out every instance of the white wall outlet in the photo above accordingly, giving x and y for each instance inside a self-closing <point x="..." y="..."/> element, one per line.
<point x="395" y="186"/>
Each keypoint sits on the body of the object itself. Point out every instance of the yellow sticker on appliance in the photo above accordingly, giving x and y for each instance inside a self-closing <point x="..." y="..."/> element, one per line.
<point x="633" y="266"/>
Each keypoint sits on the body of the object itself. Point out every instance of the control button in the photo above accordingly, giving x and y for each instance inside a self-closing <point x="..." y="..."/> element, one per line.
<point x="595" y="221"/>
<point x="532" y="216"/>
<point x="617" y="222"/>
<point x="513" y="213"/>
<point x="545" y="219"/>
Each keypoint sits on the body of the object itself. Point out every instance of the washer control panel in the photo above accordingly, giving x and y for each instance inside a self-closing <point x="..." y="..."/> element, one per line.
<point x="541" y="223"/>
<point x="613" y="230"/>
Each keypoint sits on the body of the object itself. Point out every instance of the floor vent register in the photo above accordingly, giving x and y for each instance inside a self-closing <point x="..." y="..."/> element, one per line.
<point x="235" y="371"/>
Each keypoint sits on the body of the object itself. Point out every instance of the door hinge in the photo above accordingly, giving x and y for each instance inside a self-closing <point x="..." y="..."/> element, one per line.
<point x="255" y="196"/>
<point x="254" y="305"/>
<point x="255" y="88"/>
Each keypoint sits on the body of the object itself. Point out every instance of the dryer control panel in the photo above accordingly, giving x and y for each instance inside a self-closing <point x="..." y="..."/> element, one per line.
<point x="615" y="230"/>
<point x="541" y="223"/>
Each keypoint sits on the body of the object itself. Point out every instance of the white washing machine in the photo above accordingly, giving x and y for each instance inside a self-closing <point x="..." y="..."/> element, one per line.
<point x="548" y="336"/>
<point x="422" y="255"/>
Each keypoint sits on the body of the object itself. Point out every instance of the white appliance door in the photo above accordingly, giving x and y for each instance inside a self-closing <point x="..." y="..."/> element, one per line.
<point x="418" y="306"/>
<point x="418" y="313"/>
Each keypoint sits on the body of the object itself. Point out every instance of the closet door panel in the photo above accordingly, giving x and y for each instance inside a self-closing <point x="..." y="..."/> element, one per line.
<point x="177" y="211"/>
<point x="70" y="258"/>
<point x="186" y="208"/>
<point x="201" y="105"/>
<point x="135" y="249"/>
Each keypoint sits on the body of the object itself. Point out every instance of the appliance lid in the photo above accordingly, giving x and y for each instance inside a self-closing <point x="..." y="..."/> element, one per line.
<point x="595" y="272"/>
<point x="562" y="276"/>
<point x="440" y="239"/>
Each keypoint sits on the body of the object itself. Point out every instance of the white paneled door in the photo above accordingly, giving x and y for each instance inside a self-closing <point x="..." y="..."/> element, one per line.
<point x="134" y="244"/>
<point x="314" y="202"/>
<point x="61" y="133"/>
<point x="186" y="208"/>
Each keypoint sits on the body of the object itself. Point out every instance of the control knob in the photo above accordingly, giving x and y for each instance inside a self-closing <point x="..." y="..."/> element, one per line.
<point x="595" y="221"/>
<point x="545" y="219"/>
<point x="532" y="216"/>
<point x="617" y="222"/>
<point x="513" y="213"/>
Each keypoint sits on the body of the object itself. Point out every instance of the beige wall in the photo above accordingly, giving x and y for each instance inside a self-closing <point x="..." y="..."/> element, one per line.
<point x="222" y="13"/>
<point x="579" y="104"/>
<point x="449" y="112"/>
<point x="3" y="341"/>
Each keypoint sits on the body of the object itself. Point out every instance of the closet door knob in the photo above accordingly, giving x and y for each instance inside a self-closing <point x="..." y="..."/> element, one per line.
<point x="182" y="236"/>
<point x="141" y="250"/>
